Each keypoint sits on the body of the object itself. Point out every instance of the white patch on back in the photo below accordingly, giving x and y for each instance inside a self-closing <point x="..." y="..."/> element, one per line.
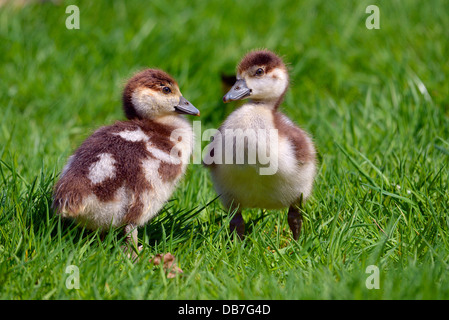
<point x="133" y="136"/>
<point x="102" y="169"/>
<point x="161" y="155"/>
<point x="185" y="146"/>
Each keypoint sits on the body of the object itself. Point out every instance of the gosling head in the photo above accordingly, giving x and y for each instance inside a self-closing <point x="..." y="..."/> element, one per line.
<point x="262" y="77"/>
<point x="153" y="93"/>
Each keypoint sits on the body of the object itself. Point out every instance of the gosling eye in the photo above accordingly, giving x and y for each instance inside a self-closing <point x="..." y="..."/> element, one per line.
<point x="259" y="72"/>
<point x="166" y="90"/>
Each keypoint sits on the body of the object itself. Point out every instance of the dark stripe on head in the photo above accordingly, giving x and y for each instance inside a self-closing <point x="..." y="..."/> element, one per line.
<point x="260" y="58"/>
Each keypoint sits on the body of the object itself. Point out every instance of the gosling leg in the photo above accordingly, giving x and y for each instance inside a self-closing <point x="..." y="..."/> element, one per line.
<point x="131" y="240"/>
<point x="295" y="221"/>
<point x="237" y="224"/>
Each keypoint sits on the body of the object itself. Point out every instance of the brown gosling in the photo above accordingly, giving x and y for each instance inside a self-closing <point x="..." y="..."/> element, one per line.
<point x="123" y="174"/>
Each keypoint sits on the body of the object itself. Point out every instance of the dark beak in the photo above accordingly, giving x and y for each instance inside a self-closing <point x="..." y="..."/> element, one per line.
<point x="185" y="107"/>
<point x="238" y="91"/>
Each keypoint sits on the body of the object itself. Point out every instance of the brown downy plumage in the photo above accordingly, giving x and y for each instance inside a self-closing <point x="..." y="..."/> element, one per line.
<point x="263" y="78"/>
<point x="124" y="173"/>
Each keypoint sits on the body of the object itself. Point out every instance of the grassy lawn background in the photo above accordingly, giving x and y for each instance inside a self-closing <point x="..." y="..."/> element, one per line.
<point x="375" y="101"/>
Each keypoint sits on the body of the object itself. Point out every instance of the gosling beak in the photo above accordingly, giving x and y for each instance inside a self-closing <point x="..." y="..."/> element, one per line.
<point x="185" y="107"/>
<point x="238" y="91"/>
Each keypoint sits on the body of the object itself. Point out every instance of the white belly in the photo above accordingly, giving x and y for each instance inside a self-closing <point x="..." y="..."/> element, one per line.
<point x="242" y="184"/>
<point x="245" y="184"/>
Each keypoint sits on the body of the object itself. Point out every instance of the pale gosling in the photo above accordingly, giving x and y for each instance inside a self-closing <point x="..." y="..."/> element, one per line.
<point x="263" y="78"/>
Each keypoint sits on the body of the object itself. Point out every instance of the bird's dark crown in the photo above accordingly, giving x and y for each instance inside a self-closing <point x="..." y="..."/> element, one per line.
<point x="154" y="79"/>
<point x="264" y="58"/>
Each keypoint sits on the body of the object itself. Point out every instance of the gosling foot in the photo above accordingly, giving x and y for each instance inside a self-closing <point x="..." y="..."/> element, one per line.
<point x="168" y="264"/>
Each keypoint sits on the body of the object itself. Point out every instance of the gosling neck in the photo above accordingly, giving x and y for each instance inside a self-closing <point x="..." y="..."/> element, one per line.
<point x="272" y="103"/>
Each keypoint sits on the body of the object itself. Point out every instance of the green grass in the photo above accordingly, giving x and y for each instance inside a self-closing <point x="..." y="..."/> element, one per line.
<point x="375" y="101"/>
